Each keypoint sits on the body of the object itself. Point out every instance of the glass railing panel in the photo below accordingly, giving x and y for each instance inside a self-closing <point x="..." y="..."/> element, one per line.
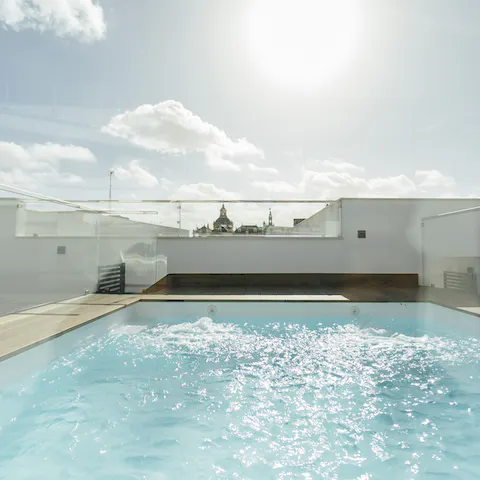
<point x="192" y="218"/>
<point x="451" y="251"/>
<point x="54" y="249"/>
<point x="48" y="252"/>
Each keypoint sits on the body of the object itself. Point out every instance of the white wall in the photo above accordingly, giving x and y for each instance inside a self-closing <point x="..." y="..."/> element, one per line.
<point x="281" y="255"/>
<point x="451" y="243"/>
<point x="32" y="265"/>
<point x="78" y="223"/>
<point x="393" y="226"/>
<point x="251" y="254"/>
<point x="277" y="230"/>
<point x="32" y="272"/>
<point x="393" y="244"/>
<point x="36" y="222"/>
<point x="117" y="225"/>
<point x="325" y="222"/>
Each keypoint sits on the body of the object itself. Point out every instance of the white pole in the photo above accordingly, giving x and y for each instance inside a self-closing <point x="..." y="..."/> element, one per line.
<point x="112" y="171"/>
<point x="179" y="218"/>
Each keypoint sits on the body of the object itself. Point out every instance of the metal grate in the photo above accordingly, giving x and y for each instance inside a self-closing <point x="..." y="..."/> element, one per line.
<point x="111" y="279"/>
<point x="466" y="282"/>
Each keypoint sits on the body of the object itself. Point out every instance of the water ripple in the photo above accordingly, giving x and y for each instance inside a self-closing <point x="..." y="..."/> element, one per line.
<point x="279" y="400"/>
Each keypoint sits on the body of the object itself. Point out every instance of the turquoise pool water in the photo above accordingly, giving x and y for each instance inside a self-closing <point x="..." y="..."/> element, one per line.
<point x="249" y="398"/>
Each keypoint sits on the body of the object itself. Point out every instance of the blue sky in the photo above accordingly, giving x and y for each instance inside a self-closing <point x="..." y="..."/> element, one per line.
<point x="176" y="97"/>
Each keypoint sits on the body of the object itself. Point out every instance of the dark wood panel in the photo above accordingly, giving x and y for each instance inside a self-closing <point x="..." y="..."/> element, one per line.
<point x="293" y="280"/>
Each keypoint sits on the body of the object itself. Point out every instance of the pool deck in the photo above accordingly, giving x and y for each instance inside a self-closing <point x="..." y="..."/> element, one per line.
<point x="28" y="328"/>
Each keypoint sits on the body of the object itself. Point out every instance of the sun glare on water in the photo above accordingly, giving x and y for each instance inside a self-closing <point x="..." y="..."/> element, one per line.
<point x="303" y="43"/>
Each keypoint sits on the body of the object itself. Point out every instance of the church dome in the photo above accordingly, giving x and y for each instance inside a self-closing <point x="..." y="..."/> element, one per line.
<point x="223" y="223"/>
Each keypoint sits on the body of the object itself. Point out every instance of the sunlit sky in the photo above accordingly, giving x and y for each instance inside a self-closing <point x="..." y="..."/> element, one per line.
<point x="217" y="99"/>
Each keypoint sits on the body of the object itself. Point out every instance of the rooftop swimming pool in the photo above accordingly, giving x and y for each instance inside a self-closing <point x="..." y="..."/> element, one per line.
<point x="192" y="390"/>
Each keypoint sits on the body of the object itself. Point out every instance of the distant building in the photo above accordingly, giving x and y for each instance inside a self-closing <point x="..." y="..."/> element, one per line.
<point x="205" y="230"/>
<point x="296" y="221"/>
<point x="222" y="225"/>
<point x="254" y="229"/>
<point x="250" y="230"/>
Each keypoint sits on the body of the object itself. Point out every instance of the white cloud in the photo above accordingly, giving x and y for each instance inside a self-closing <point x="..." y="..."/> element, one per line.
<point x="270" y="170"/>
<point x="341" y="165"/>
<point x="202" y="191"/>
<point x="135" y="173"/>
<point x="168" y="127"/>
<point x="434" y="179"/>
<point x="82" y="19"/>
<point x="277" y="186"/>
<point x="333" y="185"/>
<point x="40" y="156"/>
<point x="216" y="159"/>
<point x="18" y="178"/>
<point x="348" y="180"/>
<point x="36" y="180"/>
<point x="53" y="177"/>
<point x="34" y="166"/>
<point x="53" y="152"/>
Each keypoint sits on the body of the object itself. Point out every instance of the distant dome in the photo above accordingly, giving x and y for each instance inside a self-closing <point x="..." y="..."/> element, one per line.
<point x="223" y="223"/>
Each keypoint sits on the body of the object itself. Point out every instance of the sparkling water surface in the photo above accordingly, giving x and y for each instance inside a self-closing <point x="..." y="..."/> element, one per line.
<point x="249" y="400"/>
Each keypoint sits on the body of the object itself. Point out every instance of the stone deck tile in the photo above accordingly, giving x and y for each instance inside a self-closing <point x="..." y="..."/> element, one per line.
<point x="21" y="331"/>
<point x="102" y="299"/>
<point x="54" y="309"/>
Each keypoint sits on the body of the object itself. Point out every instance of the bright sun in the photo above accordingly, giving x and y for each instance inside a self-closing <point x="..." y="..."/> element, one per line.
<point x="303" y="43"/>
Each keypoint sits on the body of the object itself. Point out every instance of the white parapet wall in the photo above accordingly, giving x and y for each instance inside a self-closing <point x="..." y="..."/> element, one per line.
<point x="279" y="255"/>
<point x="393" y="227"/>
<point x="49" y="255"/>
<point x="392" y="243"/>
